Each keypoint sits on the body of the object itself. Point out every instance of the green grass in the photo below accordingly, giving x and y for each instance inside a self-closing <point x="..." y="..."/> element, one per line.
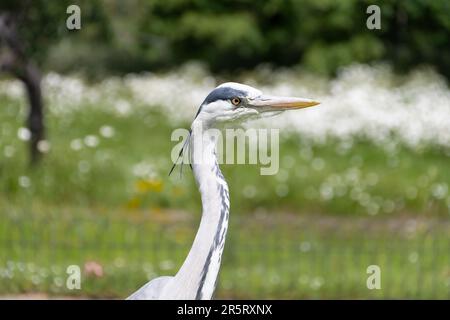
<point x="308" y="232"/>
<point x="265" y="257"/>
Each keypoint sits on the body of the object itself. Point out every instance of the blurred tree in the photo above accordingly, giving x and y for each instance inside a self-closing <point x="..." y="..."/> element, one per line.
<point x="27" y="30"/>
<point x="227" y="35"/>
<point x="320" y="34"/>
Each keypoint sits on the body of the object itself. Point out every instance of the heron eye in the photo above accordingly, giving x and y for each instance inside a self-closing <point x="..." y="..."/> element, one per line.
<point x="235" y="101"/>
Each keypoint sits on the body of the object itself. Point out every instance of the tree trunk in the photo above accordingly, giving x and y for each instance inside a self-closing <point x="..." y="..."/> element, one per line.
<point x="35" y="121"/>
<point x="19" y="65"/>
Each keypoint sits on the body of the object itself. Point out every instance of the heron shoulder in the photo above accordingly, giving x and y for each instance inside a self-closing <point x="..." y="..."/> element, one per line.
<point x="151" y="290"/>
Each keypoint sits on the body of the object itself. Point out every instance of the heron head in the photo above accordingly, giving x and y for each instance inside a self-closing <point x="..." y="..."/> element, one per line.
<point x="233" y="101"/>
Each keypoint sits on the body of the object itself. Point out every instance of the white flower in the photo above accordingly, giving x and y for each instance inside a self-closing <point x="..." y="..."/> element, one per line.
<point x="24" y="182"/>
<point x="122" y="107"/>
<point x="107" y="131"/>
<point x="76" y="144"/>
<point x="24" y="134"/>
<point x="361" y="101"/>
<point x="91" y="141"/>
<point x="44" y="146"/>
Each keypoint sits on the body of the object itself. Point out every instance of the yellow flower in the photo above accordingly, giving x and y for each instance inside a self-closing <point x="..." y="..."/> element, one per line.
<point x="144" y="186"/>
<point x="134" y="203"/>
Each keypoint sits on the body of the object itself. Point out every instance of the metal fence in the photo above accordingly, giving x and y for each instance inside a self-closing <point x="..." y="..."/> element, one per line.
<point x="118" y="254"/>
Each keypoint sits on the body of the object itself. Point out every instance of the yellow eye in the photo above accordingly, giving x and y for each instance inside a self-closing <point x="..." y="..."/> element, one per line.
<point x="235" y="101"/>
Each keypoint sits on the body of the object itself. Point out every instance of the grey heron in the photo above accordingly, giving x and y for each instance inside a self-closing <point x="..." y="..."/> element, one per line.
<point x="230" y="101"/>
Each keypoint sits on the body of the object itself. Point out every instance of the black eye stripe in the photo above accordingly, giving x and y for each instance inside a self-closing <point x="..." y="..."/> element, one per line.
<point x="225" y="93"/>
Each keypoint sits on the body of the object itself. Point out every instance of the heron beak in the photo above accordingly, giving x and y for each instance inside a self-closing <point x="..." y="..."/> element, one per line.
<point x="274" y="103"/>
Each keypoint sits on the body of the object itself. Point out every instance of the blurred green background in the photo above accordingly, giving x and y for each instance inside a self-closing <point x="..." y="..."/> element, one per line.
<point x="364" y="181"/>
<point x="131" y="36"/>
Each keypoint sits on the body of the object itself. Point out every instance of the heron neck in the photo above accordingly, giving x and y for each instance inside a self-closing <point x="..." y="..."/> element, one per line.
<point x="197" y="277"/>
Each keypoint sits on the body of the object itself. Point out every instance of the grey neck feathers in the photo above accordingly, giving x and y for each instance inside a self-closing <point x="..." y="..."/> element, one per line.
<point x="197" y="277"/>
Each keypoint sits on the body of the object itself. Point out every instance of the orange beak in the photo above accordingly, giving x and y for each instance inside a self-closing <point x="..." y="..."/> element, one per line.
<point x="274" y="103"/>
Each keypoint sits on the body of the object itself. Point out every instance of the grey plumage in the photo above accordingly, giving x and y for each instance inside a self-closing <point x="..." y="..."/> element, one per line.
<point x="151" y="290"/>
